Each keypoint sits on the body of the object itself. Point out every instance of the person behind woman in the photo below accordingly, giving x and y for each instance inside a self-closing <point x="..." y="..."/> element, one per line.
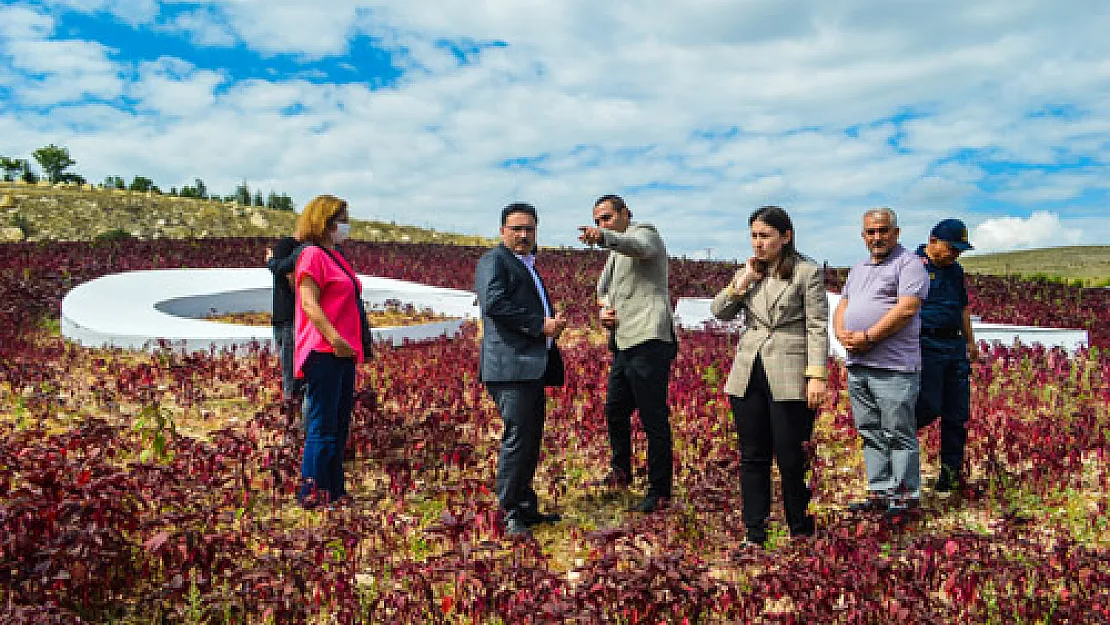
<point x="328" y="344"/>
<point x="777" y="380"/>
<point x="281" y="260"/>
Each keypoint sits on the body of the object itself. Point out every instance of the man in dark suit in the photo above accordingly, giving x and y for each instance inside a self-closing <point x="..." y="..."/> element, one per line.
<point x="518" y="359"/>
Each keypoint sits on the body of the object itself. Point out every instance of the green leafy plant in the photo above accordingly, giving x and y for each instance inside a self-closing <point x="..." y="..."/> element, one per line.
<point x="156" y="427"/>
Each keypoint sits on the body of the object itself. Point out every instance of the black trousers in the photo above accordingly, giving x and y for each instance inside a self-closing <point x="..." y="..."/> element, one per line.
<point x="772" y="429"/>
<point x="522" y="407"/>
<point x="638" y="379"/>
<point x="946" y="393"/>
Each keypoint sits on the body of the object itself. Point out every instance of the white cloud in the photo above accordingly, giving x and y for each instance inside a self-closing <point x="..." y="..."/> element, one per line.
<point x="837" y="106"/>
<point x="132" y="12"/>
<point x="63" y="71"/>
<point x="1040" y="229"/>
<point x="173" y="88"/>
<point x="20" y="23"/>
<point x="204" y="27"/>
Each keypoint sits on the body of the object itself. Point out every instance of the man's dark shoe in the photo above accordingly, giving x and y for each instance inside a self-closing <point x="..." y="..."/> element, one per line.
<point x="533" y="518"/>
<point x="651" y="503"/>
<point x="517" y="528"/>
<point x="948" y="480"/>
<point x="900" y="510"/>
<point x="748" y="549"/>
<point x="871" y="504"/>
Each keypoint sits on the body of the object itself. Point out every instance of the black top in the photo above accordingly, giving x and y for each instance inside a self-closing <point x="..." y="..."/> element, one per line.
<point x="944" y="307"/>
<point x="282" y="264"/>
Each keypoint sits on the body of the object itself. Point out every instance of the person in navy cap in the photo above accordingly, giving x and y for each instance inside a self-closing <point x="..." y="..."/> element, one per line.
<point x="947" y="349"/>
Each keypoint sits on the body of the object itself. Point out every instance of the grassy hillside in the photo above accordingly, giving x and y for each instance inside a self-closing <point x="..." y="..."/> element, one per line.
<point x="1087" y="264"/>
<point x="47" y="212"/>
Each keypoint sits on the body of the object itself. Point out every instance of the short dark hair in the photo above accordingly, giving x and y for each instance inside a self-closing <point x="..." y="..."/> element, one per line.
<point x="777" y="218"/>
<point x="518" y="207"/>
<point x="616" y="200"/>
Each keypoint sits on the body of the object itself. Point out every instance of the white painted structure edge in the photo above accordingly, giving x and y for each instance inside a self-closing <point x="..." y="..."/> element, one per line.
<point x="137" y="309"/>
<point x="693" y="313"/>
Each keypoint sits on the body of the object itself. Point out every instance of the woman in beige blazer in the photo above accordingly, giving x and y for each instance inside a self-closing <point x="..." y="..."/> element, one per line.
<point x="777" y="380"/>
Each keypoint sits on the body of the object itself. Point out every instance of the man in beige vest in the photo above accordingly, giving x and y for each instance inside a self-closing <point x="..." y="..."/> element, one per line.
<point x="636" y="308"/>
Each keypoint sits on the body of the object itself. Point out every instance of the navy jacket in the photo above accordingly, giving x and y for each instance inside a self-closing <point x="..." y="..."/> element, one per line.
<point x="514" y="348"/>
<point x="281" y="264"/>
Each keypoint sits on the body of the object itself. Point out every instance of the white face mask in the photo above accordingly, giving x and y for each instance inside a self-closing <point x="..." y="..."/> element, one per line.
<point x="342" y="231"/>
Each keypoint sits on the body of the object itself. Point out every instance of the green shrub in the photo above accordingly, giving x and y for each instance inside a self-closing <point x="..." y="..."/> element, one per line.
<point x="115" y="234"/>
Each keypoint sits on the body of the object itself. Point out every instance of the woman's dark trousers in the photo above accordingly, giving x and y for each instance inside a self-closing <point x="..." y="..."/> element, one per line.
<point x="768" y="429"/>
<point x="329" y="399"/>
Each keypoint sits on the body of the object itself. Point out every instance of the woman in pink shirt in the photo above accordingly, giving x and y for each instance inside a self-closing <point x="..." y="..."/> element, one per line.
<point x="328" y="344"/>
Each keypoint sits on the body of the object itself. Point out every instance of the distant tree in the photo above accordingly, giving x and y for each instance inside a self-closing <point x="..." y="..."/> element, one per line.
<point x="173" y="191"/>
<point x="199" y="190"/>
<point x="243" y="194"/>
<point x="114" y="182"/>
<point x="279" y="202"/>
<point x="72" y="178"/>
<point x="141" y="184"/>
<point x="13" y="167"/>
<point x="258" y="199"/>
<point x="54" y="161"/>
<point x="27" y="175"/>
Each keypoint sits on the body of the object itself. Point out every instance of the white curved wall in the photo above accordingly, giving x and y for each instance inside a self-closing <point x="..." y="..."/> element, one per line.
<point x="136" y="309"/>
<point x="693" y="313"/>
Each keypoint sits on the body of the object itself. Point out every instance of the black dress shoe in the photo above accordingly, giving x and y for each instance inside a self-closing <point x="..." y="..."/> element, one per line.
<point x="900" y="511"/>
<point x="747" y="550"/>
<point x="948" y="481"/>
<point x="651" y="503"/>
<point x="533" y="518"/>
<point x="517" y="528"/>
<point x="871" y="504"/>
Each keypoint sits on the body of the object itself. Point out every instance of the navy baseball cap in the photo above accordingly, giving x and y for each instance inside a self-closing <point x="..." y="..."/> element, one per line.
<point x="954" y="232"/>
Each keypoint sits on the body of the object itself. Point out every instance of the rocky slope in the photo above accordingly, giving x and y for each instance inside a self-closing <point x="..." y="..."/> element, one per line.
<point x="46" y="212"/>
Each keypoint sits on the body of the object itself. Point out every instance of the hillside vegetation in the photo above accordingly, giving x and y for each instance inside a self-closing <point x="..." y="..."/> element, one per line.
<point x="70" y="212"/>
<point x="1087" y="265"/>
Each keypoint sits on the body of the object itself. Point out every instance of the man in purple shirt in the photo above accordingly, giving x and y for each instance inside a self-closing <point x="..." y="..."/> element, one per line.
<point x="877" y="323"/>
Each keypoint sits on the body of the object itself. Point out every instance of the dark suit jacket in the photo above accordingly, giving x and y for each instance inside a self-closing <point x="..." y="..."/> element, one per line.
<point x="514" y="348"/>
<point x="281" y="264"/>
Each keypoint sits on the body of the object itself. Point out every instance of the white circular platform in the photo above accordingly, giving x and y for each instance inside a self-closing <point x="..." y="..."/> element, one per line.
<point x="138" y="309"/>
<point x="693" y="313"/>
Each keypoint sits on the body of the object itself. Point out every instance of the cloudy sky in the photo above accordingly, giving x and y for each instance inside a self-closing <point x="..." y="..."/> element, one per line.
<point x="439" y="113"/>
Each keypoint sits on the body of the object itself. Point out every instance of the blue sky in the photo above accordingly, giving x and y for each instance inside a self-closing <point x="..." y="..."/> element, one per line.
<point x="437" y="114"/>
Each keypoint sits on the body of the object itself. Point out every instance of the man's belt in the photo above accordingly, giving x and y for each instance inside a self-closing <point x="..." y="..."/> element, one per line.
<point x="942" y="333"/>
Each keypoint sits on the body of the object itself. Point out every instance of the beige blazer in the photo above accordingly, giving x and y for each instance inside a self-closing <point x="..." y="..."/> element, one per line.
<point x="786" y="323"/>
<point x="634" y="283"/>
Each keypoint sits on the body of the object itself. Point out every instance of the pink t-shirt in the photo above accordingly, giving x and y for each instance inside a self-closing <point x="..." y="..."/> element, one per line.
<point x="337" y="299"/>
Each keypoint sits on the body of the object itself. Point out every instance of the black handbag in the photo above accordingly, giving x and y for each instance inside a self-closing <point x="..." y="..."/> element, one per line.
<point x="367" y="336"/>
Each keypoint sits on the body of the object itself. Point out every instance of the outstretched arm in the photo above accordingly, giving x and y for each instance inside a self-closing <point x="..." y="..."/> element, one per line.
<point x="642" y="242"/>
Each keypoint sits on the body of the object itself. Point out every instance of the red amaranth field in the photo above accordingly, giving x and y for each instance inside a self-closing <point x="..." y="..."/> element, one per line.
<point x="148" y="488"/>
